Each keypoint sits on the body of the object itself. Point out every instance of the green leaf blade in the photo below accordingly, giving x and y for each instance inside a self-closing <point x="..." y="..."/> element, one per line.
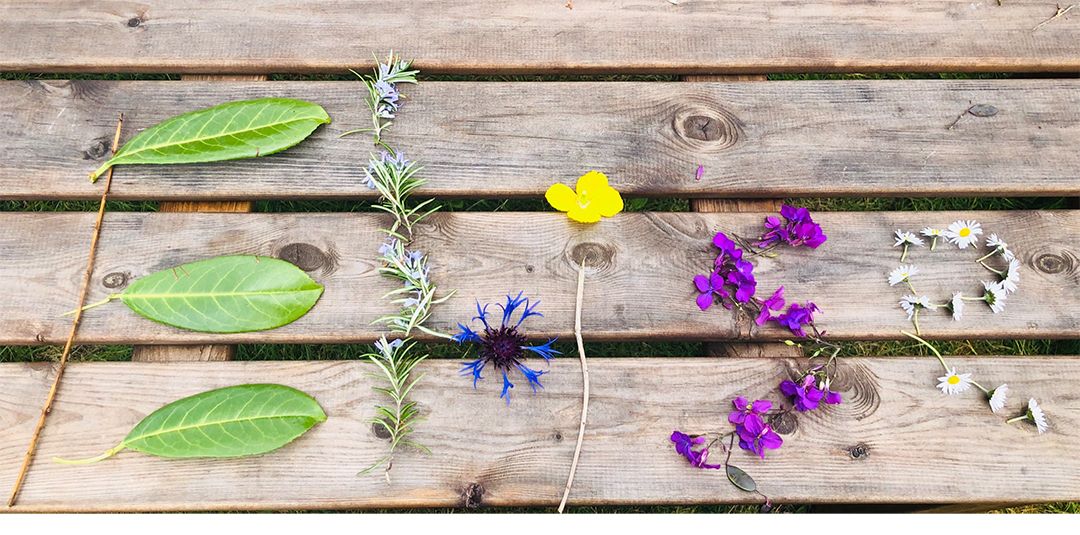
<point x="228" y="422"/>
<point x="227" y="294"/>
<point x="230" y="131"/>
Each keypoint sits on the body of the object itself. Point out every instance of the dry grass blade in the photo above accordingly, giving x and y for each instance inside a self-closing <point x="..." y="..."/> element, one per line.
<point x="584" y="386"/>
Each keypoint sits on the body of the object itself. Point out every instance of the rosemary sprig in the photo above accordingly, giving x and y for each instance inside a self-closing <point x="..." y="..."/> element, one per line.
<point x="382" y="95"/>
<point x="395" y="178"/>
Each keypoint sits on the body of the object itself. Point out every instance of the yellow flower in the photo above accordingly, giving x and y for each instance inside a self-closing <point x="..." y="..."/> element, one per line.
<point x="594" y="198"/>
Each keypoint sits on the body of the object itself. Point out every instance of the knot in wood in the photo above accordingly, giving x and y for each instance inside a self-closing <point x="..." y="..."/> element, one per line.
<point x="115" y="280"/>
<point x="1053" y="264"/>
<point x="304" y="256"/>
<point x="99" y="147"/>
<point x="134" y="22"/>
<point x="596" y="256"/>
<point x="379" y="431"/>
<point x="705" y="126"/>
<point x="859" y="451"/>
<point x="784" y="423"/>
<point x="472" y="496"/>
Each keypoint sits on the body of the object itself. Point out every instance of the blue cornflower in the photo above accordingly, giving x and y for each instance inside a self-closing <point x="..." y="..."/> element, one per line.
<point x="502" y="345"/>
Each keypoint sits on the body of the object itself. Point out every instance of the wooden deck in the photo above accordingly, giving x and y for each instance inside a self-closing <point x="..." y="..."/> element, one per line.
<point x="895" y="440"/>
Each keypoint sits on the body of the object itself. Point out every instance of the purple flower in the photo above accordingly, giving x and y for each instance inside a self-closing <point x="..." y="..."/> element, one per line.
<point x="797" y="317"/>
<point x="831" y="397"/>
<point x="503" y="345"/>
<point x="684" y="445"/>
<point x="744" y="408"/>
<point x="732" y="278"/>
<point x="757" y="436"/>
<point x="776" y="302"/>
<point x="796" y="228"/>
<point x="805" y="395"/>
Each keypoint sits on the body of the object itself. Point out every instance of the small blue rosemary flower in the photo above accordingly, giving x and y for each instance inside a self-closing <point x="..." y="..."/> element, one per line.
<point x="503" y="346"/>
<point x="397" y="162"/>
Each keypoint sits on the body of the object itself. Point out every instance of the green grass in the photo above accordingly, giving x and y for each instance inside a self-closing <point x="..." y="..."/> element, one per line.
<point x="333" y="352"/>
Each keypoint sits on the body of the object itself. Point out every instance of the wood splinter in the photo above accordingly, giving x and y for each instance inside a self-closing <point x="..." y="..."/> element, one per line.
<point x="51" y="397"/>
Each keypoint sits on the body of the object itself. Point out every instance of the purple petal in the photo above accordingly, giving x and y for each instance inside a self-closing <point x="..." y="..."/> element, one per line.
<point x="704" y="301"/>
<point x="702" y="283"/>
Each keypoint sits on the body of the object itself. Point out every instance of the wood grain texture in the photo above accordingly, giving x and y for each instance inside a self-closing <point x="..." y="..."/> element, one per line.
<point x="475" y="36"/>
<point x="639" y="288"/>
<point x="513" y="139"/>
<point x="893" y="440"/>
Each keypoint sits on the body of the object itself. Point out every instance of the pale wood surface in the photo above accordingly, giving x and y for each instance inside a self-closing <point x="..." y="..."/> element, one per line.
<point x="895" y="439"/>
<point x="479" y="36"/>
<point x="640" y="288"/>
<point x="507" y="139"/>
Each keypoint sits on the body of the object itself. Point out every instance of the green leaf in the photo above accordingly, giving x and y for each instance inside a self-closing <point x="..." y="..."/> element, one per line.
<point x="740" y="479"/>
<point x="230" y="131"/>
<point x="228" y="422"/>
<point x="227" y="294"/>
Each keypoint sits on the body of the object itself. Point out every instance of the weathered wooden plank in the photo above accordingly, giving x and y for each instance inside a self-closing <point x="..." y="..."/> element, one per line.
<point x="640" y="287"/>
<point x="491" y="139"/>
<point x="475" y="36"/>
<point x="894" y="439"/>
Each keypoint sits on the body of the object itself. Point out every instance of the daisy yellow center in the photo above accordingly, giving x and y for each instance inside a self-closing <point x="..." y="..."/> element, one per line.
<point x="965" y="232"/>
<point x="954" y="380"/>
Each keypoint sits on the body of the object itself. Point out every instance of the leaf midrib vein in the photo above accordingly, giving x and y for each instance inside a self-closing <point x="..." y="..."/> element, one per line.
<point x="219" y="422"/>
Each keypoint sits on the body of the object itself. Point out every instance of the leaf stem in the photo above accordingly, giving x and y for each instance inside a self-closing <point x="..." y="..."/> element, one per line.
<point x="91" y="305"/>
<point x="108" y="453"/>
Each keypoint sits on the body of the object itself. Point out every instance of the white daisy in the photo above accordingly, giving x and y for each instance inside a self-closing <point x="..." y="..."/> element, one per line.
<point x="998" y="396"/>
<point x="911" y="304"/>
<point x="953" y="383"/>
<point x="902" y="273"/>
<point x="1037" y="416"/>
<point x="964" y="233"/>
<point x="998" y="245"/>
<point x="994" y="296"/>
<point x="1011" y="277"/>
<point x="957" y="306"/>
<point x="933" y="234"/>
<point x="907" y="238"/>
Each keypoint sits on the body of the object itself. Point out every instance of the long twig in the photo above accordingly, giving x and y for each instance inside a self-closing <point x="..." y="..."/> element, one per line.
<point x="47" y="408"/>
<point x="1060" y="13"/>
<point x="585" y="385"/>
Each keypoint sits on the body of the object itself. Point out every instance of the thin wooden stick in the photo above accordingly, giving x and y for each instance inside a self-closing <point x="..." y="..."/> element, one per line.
<point x="585" y="385"/>
<point x="47" y="408"/>
<point x="1060" y="13"/>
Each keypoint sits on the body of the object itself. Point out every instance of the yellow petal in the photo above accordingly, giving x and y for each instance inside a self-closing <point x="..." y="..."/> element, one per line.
<point x="561" y="197"/>
<point x="584" y="215"/>
<point x="591" y="181"/>
<point x="608" y="201"/>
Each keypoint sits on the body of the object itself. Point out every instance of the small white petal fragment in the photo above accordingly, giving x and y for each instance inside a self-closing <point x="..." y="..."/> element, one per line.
<point x="998" y="397"/>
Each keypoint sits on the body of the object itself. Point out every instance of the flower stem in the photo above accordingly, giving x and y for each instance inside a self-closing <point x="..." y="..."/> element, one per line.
<point x="916" y="319"/>
<point x="1017" y="419"/>
<point x="903" y="256"/>
<point x="933" y="242"/>
<point x="1000" y="273"/>
<point x="981" y="387"/>
<point x="911" y="287"/>
<point x="988" y="255"/>
<point x="932" y="348"/>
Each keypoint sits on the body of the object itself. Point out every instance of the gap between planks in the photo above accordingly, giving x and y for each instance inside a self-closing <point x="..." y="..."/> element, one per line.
<point x="210" y="352"/>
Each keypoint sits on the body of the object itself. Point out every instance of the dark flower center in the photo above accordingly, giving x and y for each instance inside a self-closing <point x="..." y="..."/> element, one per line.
<point x="502" y="347"/>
